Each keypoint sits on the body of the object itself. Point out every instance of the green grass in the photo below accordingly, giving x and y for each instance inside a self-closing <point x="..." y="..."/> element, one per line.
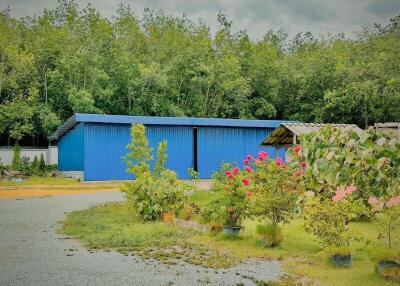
<point x="114" y="226"/>
<point x="36" y="180"/>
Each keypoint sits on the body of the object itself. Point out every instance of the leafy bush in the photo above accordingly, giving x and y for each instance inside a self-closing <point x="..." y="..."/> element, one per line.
<point x="153" y="192"/>
<point x="16" y="161"/>
<point x="219" y="178"/>
<point x="390" y="221"/>
<point x="340" y="157"/>
<point x="328" y="221"/>
<point x="276" y="187"/>
<point x="234" y="205"/>
<point x="271" y="234"/>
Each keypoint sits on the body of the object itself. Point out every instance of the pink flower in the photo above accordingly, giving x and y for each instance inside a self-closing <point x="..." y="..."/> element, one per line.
<point x="303" y="164"/>
<point x="297" y="149"/>
<point x="373" y="201"/>
<point x="227" y="173"/>
<point x="337" y="198"/>
<point x="393" y="201"/>
<point x="249" y="157"/>
<point x="257" y="162"/>
<point x="262" y="155"/>
<point x="340" y="194"/>
<point x="246" y="162"/>
<point x="248" y="170"/>
<point x="278" y="161"/>
<point x="248" y="194"/>
<point x="350" y="189"/>
<point x="245" y="182"/>
<point x="235" y="171"/>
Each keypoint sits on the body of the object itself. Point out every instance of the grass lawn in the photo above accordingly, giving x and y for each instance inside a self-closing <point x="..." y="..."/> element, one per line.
<point x="37" y="180"/>
<point x="114" y="226"/>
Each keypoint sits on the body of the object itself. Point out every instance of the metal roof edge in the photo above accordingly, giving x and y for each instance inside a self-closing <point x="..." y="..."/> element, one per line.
<point x="155" y="120"/>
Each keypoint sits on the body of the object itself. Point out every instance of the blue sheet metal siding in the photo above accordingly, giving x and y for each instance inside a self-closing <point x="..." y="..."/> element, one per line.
<point x="105" y="145"/>
<point x="179" y="146"/>
<point x="219" y="145"/>
<point x="70" y="150"/>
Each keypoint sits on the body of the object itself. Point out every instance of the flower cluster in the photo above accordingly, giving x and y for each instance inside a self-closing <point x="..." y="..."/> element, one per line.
<point x="342" y="193"/>
<point x="378" y="205"/>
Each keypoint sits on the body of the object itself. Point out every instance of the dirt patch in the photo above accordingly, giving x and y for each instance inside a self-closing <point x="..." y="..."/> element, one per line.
<point x="45" y="191"/>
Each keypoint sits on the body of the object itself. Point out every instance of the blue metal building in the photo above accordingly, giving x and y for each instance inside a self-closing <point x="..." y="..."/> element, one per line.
<point x="95" y="144"/>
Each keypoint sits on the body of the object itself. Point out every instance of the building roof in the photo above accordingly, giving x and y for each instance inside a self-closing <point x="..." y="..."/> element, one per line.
<point x="283" y="134"/>
<point x="153" y="120"/>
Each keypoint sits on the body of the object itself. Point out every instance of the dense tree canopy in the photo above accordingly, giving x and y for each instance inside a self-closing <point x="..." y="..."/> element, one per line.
<point x="70" y="60"/>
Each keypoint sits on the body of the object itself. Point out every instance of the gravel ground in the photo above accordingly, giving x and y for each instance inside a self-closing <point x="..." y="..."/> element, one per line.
<point x="32" y="253"/>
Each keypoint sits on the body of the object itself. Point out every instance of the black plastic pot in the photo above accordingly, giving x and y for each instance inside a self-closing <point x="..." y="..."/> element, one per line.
<point x="339" y="260"/>
<point x="389" y="269"/>
<point x="231" y="230"/>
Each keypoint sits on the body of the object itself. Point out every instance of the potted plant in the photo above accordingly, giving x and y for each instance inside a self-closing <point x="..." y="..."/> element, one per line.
<point x="388" y="263"/>
<point x="388" y="260"/>
<point x="328" y="219"/>
<point x="341" y="256"/>
<point x="234" y="201"/>
<point x="276" y="187"/>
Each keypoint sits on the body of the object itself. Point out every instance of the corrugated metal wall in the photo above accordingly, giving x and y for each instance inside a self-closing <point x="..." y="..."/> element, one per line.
<point x="70" y="150"/>
<point x="105" y="145"/>
<point x="218" y="145"/>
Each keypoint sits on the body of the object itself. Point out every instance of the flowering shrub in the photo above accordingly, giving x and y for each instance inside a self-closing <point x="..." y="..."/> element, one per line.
<point x="328" y="219"/>
<point x="391" y="215"/>
<point x="233" y="205"/>
<point x="153" y="192"/>
<point x="276" y="186"/>
<point x="335" y="157"/>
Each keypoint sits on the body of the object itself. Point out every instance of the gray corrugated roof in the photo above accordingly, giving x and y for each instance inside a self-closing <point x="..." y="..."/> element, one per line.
<point x="284" y="133"/>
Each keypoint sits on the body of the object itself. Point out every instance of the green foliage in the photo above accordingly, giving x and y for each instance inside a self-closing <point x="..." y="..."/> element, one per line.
<point x="329" y="222"/>
<point x="219" y="179"/>
<point x="42" y="164"/>
<point x="35" y="166"/>
<point x="153" y="192"/>
<point x="271" y="234"/>
<point x="337" y="157"/>
<point x="276" y="189"/>
<point x="16" y="161"/>
<point x="69" y="60"/>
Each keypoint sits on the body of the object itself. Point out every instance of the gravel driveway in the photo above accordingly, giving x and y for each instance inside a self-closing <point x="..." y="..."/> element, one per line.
<point x="32" y="253"/>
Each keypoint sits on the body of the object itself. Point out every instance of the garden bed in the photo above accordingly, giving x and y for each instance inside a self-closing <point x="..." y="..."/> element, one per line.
<point x="115" y="227"/>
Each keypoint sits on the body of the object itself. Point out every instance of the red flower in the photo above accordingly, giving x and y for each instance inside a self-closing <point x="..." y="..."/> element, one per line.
<point x="246" y="161"/>
<point x="297" y="149"/>
<point x="249" y="157"/>
<point x="303" y="164"/>
<point x="262" y="155"/>
<point x="235" y="171"/>
<point x="245" y="182"/>
<point x="278" y="161"/>
<point x="248" y="194"/>
<point x="248" y="170"/>
<point x="297" y="174"/>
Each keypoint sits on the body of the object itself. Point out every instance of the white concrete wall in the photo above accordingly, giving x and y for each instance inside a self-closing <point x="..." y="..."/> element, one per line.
<point x="50" y="154"/>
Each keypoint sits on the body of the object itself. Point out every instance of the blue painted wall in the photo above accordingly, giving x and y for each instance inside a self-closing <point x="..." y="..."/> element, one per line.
<point x="70" y="150"/>
<point x="218" y="145"/>
<point x="105" y="145"/>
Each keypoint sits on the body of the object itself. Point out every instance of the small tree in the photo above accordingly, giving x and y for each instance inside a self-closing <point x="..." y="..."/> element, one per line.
<point x="16" y="162"/>
<point x="153" y="192"/>
<point x="42" y="164"/>
<point x="35" y="166"/>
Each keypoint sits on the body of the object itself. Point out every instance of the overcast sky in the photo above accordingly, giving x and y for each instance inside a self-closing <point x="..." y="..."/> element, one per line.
<point x="255" y="16"/>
